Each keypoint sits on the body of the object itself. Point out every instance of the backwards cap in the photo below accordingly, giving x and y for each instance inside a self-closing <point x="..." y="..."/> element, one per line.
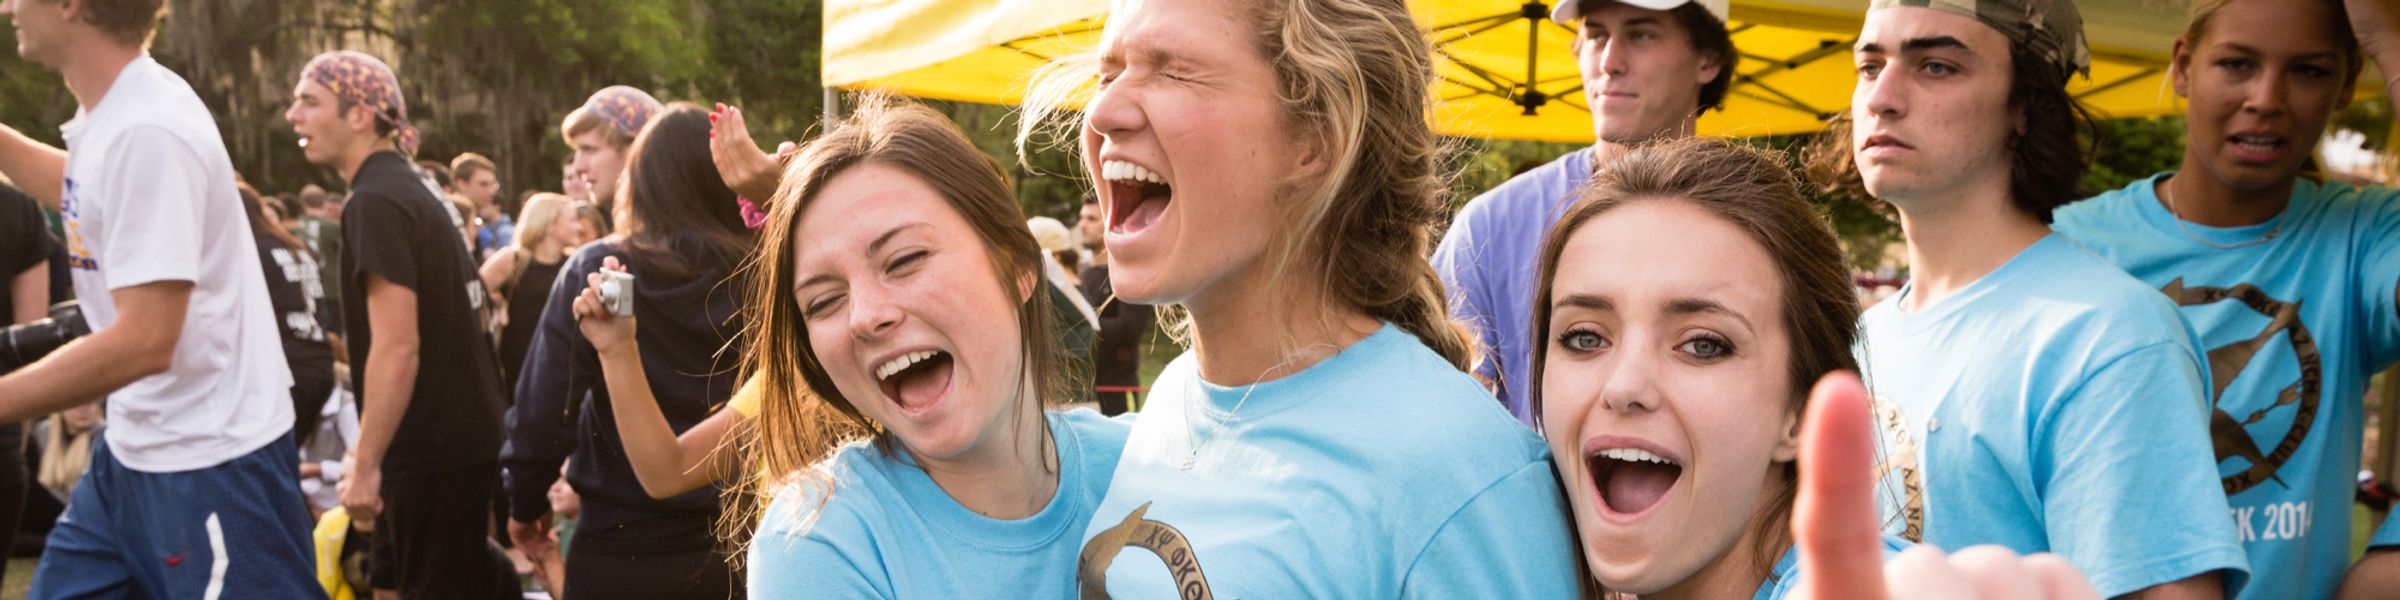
<point x="2051" y="29"/>
<point x="624" y="108"/>
<point x="362" y="79"/>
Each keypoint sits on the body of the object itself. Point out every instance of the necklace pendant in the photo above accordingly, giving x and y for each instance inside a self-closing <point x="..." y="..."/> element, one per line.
<point x="1189" y="459"/>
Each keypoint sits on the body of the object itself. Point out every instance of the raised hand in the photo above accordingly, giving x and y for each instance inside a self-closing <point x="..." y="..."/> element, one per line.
<point x="2372" y="21"/>
<point x="750" y="171"/>
<point x="1834" y="523"/>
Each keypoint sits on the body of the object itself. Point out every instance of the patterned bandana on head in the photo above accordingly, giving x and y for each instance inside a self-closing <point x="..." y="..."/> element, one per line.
<point x="624" y="107"/>
<point x="2052" y="29"/>
<point x="357" y="78"/>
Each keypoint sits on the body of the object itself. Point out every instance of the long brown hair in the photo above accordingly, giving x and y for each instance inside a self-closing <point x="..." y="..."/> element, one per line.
<point x="1753" y="190"/>
<point x="257" y="213"/>
<point x="1355" y="79"/>
<point x="804" y="416"/>
<point x="684" y="216"/>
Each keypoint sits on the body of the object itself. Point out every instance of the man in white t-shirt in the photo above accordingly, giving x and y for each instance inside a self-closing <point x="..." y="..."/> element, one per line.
<point x="198" y="456"/>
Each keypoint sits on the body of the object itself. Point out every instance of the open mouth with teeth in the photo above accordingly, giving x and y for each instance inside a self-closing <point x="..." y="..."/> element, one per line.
<point x="1631" y="481"/>
<point x="915" y="380"/>
<point x="2255" y="147"/>
<point x="1137" y="196"/>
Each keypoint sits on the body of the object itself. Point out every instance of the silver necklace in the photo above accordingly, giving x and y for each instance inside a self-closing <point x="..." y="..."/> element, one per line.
<point x="2166" y="196"/>
<point x="1200" y="396"/>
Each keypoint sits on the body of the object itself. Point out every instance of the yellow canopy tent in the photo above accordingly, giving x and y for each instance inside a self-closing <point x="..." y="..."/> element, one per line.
<point x="1794" y="72"/>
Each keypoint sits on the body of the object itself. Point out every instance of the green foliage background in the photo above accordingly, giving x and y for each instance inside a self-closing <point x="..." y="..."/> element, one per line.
<point x="496" y="76"/>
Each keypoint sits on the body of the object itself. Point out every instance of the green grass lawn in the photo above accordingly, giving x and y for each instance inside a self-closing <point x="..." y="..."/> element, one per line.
<point x="2362" y="527"/>
<point x="20" y="578"/>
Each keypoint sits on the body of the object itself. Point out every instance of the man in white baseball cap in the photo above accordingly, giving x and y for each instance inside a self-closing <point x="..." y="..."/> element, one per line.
<point x="1650" y="67"/>
<point x="1567" y="12"/>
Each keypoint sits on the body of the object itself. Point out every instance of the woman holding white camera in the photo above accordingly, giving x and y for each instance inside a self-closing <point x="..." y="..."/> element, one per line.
<point x="682" y="243"/>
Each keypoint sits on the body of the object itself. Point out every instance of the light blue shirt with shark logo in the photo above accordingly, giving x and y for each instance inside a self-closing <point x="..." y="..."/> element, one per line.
<point x="2054" y="405"/>
<point x="2293" y="326"/>
<point x="1380" y="472"/>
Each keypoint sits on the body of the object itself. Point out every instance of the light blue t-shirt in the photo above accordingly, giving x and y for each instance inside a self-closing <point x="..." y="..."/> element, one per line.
<point x="1785" y="578"/>
<point x="2055" y="405"/>
<point x="1380" y="472"/>
<point x="2293" y="328"/>
<point x="890" y="532"/>
<point x="1487" y="262"/>
<point x="2387" y="536"/>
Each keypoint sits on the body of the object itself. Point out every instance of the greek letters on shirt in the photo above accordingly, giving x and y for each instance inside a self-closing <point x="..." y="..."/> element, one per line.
<point x="1162" y="540"/>
<point x="1900" y="482"/>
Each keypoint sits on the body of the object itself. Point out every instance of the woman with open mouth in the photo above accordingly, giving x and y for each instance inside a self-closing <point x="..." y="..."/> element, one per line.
<point x="1266" y="165"/>
<point x="1689" y="299"/>
<point x="898" y="295"/>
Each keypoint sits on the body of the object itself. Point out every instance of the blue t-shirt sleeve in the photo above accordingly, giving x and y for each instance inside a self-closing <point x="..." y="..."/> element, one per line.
<point x="787" y="563"/>
<point x="1510" y="541"/>
<point x="2378" y="273"/>
<point x="2127" y="478"/>
<point x="2388" y="536"/>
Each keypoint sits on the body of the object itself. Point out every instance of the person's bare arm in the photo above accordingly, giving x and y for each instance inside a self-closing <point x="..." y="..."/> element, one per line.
<point x="2375" y="576"/>
<point x="392" y="361"/>
<point x="2205" y="586"/>
<point x="29" y="293"/>
<point x="496" y="270"/>
<point x="139" y="344"/>
<point x="37" y="168"/>
<point x="2376" y="25"/>
<point x="666" y="464"/>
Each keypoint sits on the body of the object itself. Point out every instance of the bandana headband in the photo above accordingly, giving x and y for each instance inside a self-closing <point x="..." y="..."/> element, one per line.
<point x="361" y="79"/>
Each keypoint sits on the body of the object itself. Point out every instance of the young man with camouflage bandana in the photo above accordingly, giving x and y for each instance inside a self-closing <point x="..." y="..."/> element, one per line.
<point x="2033" y="395"/>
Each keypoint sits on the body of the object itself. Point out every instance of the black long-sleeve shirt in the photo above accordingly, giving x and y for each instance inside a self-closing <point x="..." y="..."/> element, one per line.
<point x="1117" y="347"/>
<point x="563" y="404"/>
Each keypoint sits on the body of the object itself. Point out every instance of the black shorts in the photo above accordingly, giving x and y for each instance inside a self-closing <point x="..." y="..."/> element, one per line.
<point x="691" y="574"/>
<point x="431" y="540"/>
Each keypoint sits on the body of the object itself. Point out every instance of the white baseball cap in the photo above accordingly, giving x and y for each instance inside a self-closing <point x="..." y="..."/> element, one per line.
<point x="1567" y="12"/>
<point x="1051" y="234"/>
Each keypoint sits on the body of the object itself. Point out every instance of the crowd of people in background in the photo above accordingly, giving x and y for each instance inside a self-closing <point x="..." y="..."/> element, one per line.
<point x="853" y="366"/>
